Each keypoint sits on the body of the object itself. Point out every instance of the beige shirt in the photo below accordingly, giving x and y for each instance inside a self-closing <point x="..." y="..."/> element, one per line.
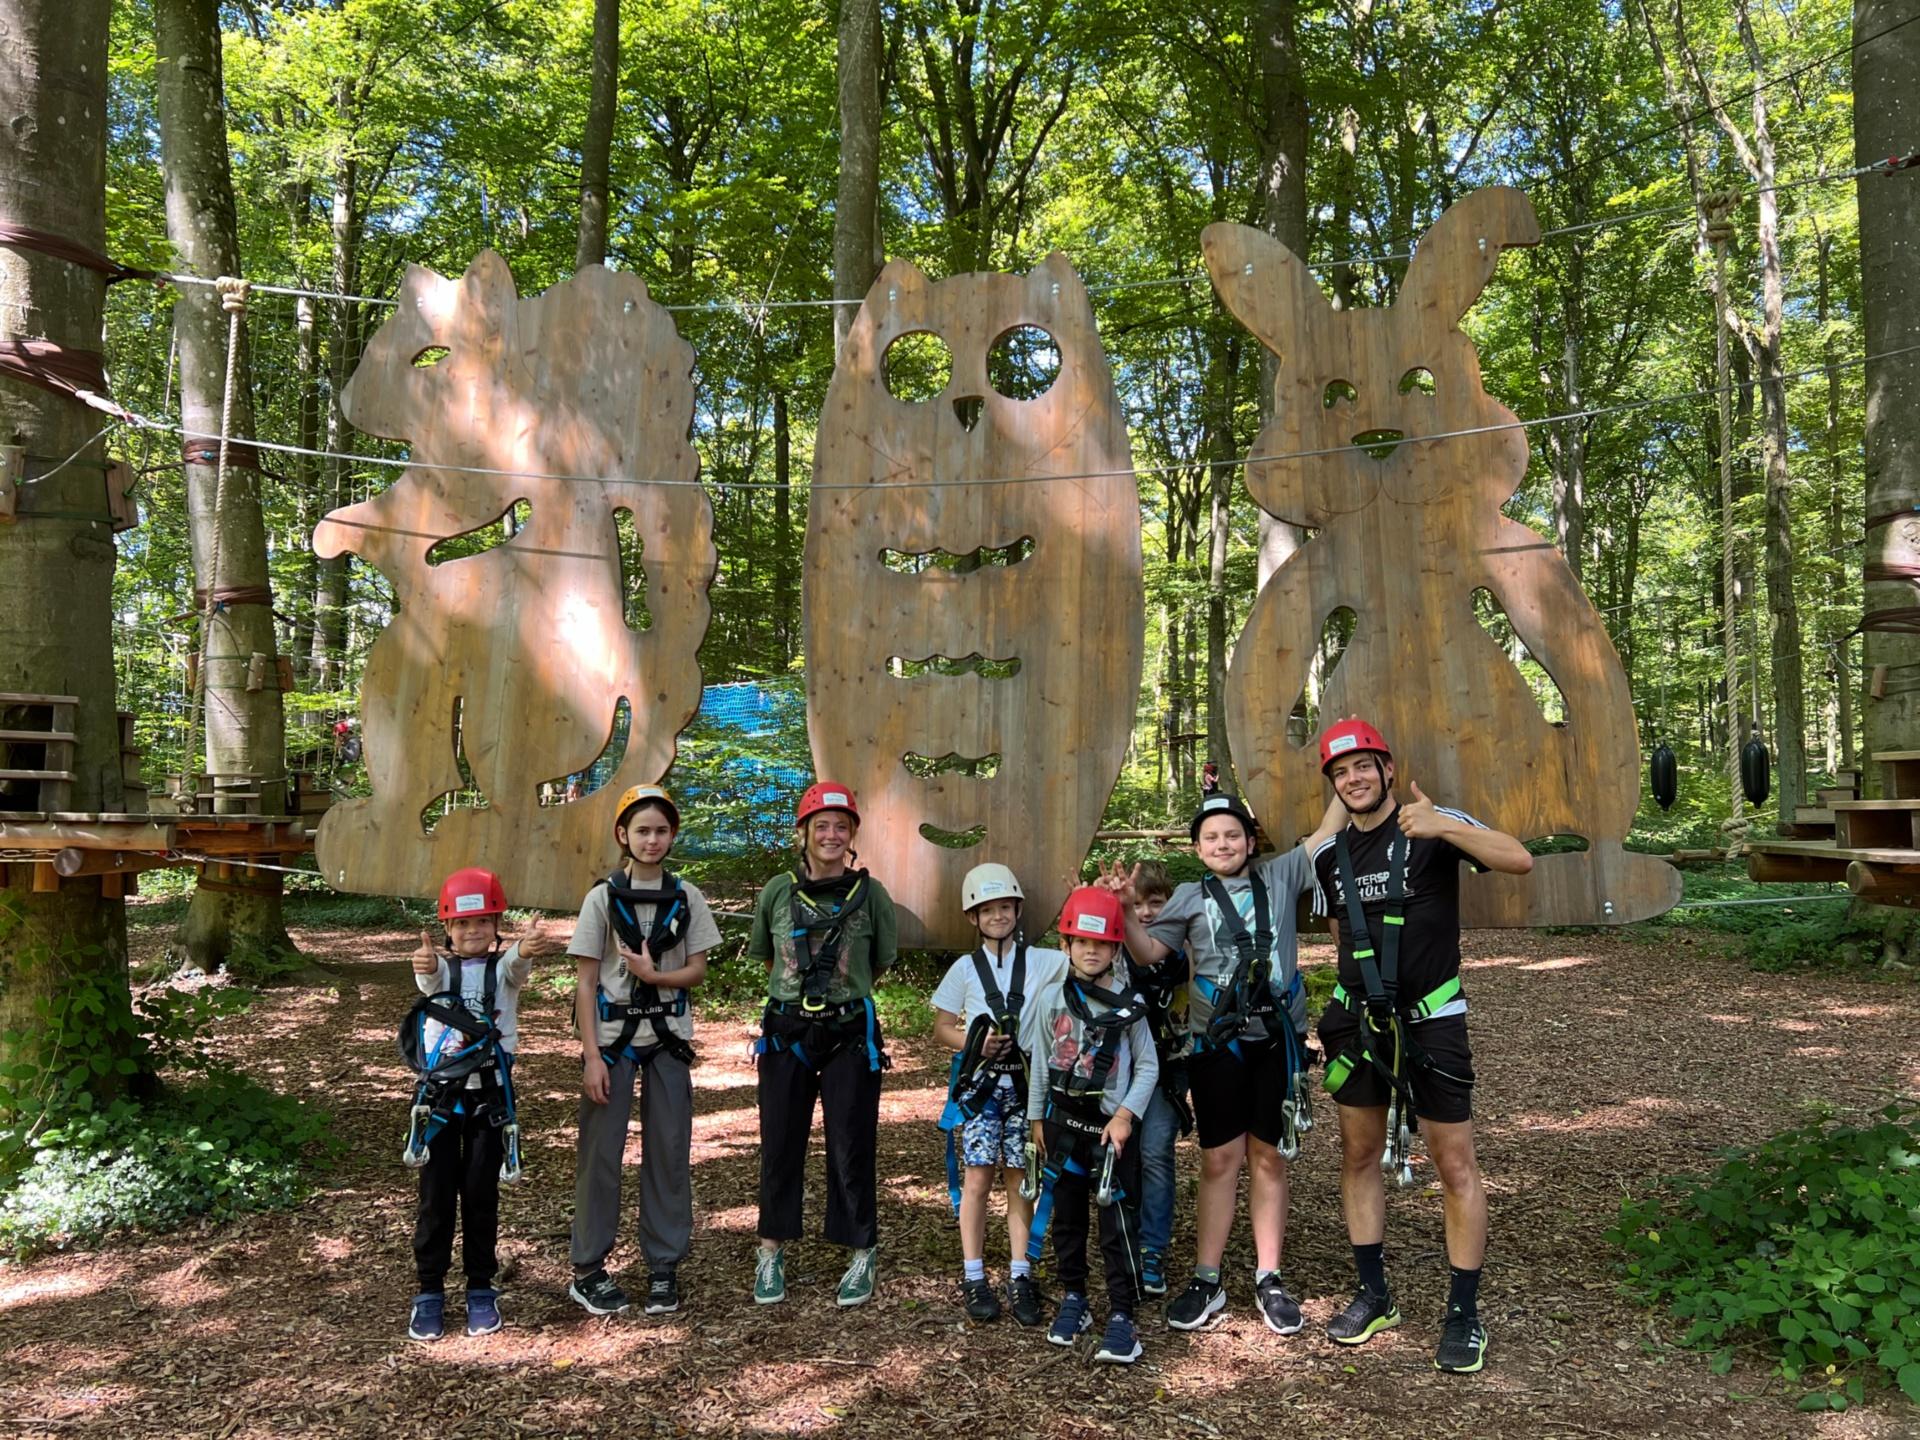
<point x="594" y="938"/>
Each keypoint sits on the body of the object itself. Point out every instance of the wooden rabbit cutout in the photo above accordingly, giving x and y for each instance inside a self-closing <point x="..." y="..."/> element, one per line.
<point x="1407" y="531"/>
<point x="528" y="640"/>
<point x="906" y="670"/>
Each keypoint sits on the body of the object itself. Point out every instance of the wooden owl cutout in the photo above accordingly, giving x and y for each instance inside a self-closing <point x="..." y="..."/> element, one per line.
<point x="986" y="699"/>
<point x="1407" y="530"/>
<point x="526" y="643"/>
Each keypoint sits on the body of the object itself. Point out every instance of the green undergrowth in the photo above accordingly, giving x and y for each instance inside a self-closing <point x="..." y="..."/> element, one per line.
<point x="1803" y="926"/>
<point x="1804" y="1249"/>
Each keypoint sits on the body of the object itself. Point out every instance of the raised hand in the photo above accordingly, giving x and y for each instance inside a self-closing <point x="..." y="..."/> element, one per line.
<point x="1121" y="880"/>
<point x="539" y="944"/>
<point x="426" y="959"/>
<point x="1419" y="819"/>
<point x="640" y="963"/>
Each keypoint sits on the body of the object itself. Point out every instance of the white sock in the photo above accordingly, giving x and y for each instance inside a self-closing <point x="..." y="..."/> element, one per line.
<point x="1259" y="1274"/>
<point x="975" y="1269"/>
<point x="1019" y="1268"/>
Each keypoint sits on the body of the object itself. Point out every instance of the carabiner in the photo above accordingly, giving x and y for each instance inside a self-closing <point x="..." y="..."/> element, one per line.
<point x="415" y="1152"/>
<point x="1104" y="1195"/>
<point x="1030" y="1181"/>
<point x="510" y="1142"/>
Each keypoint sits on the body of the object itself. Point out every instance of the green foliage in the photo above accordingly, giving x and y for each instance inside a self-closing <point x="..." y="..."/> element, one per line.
<point x="217" y="1147"/>
<point x="1807" y="1246"/>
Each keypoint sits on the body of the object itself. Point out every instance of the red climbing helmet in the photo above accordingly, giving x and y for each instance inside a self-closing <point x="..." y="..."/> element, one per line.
<point x="1351" y="737"/>
<point x="1093" y="913"/>
<point x="472" y="892"/>
<point x="826" y="795"/>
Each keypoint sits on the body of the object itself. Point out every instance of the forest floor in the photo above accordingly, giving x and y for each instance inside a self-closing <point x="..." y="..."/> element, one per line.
<point x="1604" y="1063"/>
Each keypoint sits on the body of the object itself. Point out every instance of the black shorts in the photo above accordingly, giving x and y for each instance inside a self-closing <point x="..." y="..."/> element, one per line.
<point x="1235" y="1095"/>
<point x="1443" y="1094"/>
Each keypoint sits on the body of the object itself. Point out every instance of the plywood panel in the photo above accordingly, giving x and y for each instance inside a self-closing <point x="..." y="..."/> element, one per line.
<point x="1404" y="537"/>
<point x="916" y="479"/>
<point x="530" y="637"/>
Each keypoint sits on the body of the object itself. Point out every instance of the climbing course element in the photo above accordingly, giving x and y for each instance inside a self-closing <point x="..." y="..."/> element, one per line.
<point x="516" y="657"/>
<point x="1408" y="531"/>
<point x="974" y="648"/>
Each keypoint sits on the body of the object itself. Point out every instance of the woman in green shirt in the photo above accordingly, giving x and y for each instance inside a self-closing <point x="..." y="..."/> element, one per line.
<point x="826" y="933"/>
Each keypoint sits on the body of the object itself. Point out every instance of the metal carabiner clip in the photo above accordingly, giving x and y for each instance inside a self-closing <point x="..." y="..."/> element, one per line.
<point x="1104" y="1194"/>
<point x="415" y="1152"/>
<point x="1289" y="1142"/>
<point x="1030" y="1180"/>
<point x="510" y="1172"/>
<point x="1302" y="1101"/>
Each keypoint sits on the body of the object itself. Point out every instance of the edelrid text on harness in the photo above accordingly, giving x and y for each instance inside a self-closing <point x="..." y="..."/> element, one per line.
<point x="1384" y="1039"/>
<point x="467" y="1046"/>
<point x="1074" y="1120"/>
<point x="974" y="1077"/>
<point x="644" y="1001"/>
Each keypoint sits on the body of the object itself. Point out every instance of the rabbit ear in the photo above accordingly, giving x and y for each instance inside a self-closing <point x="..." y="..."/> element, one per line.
<point x="1267" y="287"/>
<point x="1456" y="257"/>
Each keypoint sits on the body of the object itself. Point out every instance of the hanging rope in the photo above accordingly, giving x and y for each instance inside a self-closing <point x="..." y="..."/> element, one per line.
<point x="233" y="299"/>
<point x="1717" y="228"/>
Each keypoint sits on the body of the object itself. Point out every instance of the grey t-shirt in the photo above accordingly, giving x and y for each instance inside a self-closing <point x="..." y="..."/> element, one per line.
<point x="1191" y="922"/>
<point x="594" y="938"/>
<point x="1054" y="1039"/>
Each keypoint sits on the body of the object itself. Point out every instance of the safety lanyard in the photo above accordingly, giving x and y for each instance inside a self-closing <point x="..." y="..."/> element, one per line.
<point x="821" y="963"/>
<point x="1247" y="982"/>
<point x="1382" y="979"/>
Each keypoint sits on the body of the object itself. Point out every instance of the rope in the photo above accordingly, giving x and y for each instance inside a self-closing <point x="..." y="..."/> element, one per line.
<point x="1714" y="211"/>
<point x="233" y="299"/>
<point x="1759" y="900"/>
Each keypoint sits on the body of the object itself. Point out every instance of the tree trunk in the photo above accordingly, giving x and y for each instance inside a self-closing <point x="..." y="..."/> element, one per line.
<point x="330" y="589"/>
<point x="1834" y="566"/>
<point x="1283" y="133"/>
<point x="857" y="251"/>
<point x="1223" y="451"/>
<point x="783" y="616"/>
<point x="1886" y="116"/>
<point x="596" y="147"/>
<point x="306" y="473"/>
<point x="56" y="636"/>
<point x="244" y="724"/>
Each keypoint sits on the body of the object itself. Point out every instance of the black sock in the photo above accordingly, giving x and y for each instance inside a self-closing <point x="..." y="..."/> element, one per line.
<point x="1464" y="1295"/>
<point x="1371" y="1262"/>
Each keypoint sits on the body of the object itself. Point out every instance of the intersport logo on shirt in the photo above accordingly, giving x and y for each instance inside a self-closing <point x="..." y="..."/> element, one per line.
<point x="1373" y="888"/>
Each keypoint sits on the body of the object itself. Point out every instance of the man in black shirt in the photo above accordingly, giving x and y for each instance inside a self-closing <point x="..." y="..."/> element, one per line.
<point x="1395" y="1033"/>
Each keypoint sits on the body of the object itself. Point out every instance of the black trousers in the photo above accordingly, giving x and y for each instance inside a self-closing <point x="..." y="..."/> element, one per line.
<point x="849" y="1095"/>
<point x="1119" y="1227"/>
<point x="462" y="1174"/>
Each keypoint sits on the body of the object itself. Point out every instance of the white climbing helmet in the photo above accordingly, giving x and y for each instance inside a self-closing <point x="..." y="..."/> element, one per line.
<point x="988" y="882"/>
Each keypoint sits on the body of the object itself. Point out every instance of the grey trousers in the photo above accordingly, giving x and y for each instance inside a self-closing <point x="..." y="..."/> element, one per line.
<point x="666" y="1182"/>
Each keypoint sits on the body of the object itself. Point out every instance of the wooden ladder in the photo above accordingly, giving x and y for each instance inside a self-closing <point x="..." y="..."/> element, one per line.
<point x="37" y="750"/>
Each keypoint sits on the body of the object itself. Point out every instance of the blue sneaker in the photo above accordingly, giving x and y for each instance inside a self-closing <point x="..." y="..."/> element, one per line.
<point x="428" y="1321"/>
<point x="483" y="1312"/>
<point x="1071" y="1319"/>
<point x="1153" y="1272"/>
<point x="1120" y="1345"/>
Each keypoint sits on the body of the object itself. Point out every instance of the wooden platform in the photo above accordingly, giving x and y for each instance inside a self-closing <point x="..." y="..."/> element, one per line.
<point x="39" y="849"/>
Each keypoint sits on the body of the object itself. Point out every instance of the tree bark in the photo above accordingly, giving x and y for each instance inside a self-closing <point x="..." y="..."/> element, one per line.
<point x="245" y="727"/>
<point x="1224" y="452"/>
<point x="56" y="635"/>
<point x="1886" y="114"/>
<point x="596" y="147"/>
<point x="330" y="588"/>
<point x="857" y="251"/>
<point x="1282" y="129"/>
<point x="783" y="547"/>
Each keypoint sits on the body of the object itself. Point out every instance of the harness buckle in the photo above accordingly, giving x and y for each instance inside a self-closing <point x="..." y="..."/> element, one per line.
<point x="813" y="1004"/>
<point x="415" y="1152"/>
<point x="510" y="1172"/>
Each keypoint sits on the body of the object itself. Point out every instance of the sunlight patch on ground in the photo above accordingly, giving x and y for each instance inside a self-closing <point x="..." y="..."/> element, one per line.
<point x="59" y="1285"/>
<point x="1571" y="962"/>
<point x="1648" y="1110"/>
<point x="743" y="1219"/>
<point x="612" y="1343"/>
<point x="182" y="1287"/>
<point x="815" y="1393"/>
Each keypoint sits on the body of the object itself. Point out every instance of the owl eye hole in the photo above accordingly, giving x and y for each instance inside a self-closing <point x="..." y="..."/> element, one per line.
<point x="1338" y="391"/>
<point x="1023" y="363"/>
<point x="918" y="366"/>
<point x="1418" y="378"/>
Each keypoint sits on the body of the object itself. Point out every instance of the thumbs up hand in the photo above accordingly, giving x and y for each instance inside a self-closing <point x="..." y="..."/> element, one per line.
<point x="1419" y="819"/>
<point x="426" y="959"/>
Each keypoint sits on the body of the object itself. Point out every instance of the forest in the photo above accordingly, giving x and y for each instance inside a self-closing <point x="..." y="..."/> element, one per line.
<point x="1714" y="353"/>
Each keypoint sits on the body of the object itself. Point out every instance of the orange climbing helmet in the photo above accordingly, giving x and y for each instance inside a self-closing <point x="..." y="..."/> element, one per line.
<point x="1093" y="913"/>
<point x="472" y="891"/>
<point x="634" y="796"/>
<point x="1351" y="737"/>
<point x="825" y="795"/>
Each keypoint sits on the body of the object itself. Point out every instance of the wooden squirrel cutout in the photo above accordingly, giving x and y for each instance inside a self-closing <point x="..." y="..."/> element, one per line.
<point x="527" y="642"/>
<point x="1408" y="529"/>
<point x="985" y="699"/>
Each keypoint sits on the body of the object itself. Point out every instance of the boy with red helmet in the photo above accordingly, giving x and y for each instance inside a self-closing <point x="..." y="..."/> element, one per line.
<point x="826" y="933"/>
<point x="1099" y="1075"/>
<point x="640" y="946"/>
<point x="470" y="979"/>
<point x="1395" y="1032"/>
<point x="1246" y="1022"/>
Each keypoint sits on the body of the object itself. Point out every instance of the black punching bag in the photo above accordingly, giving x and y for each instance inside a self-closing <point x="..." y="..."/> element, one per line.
<point x="1663" y="772"/>
<point x="1756" y="771"/>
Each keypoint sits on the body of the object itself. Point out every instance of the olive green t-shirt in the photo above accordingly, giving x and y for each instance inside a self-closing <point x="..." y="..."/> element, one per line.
<point x="868" y="945"/>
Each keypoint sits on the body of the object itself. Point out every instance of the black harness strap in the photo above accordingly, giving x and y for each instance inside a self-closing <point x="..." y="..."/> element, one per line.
<point x="644" y="1001"/>
<point x="1249" y="992"/>
<point x="1382" y="1020"/>
<point x="978" y="1076"/>
<point x="812" y="917"/>
<point x="1105" y="1016"/>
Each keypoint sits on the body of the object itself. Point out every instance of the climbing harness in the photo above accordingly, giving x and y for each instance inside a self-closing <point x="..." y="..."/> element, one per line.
<point x="820" y="917"/>
<point x="974" y="1078"/>
<point x="813" y="1031"/>
<point x="1248" y="995"/>
<point x="445" y="1089"/>
<point x="644" y="1001"/>
<point x="1160" y="986"/>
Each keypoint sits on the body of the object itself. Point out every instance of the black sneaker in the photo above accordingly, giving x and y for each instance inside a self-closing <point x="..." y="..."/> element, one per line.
<point x="982" y="1303"/>
<point x="597" y="1294"/>
<point x="1363" y="1319"/>
<point x="1029" y="1305"/>
<point x="663" y="1293"/>
<point x="1463" y="1344"/>
<point x="1279" y="1309"/>
<point x="1199" y="1305"/>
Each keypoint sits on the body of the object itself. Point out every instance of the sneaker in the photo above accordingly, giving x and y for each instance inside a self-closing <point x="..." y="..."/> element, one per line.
<point x="597" y="1294"/>
<point x="856" y="1286"/>
<point x="982" y="1303"/>
<point x="663" y="1293"/>
<point x="1463" y="1344"/>
<point x="1279" y="1309"/>
<point x="1153" y="1273"/>
<point x="428" y="1321"/>
<point x="483" y="1312"/>
<point x="770" y="1275"/>
<point x="1029" y="1306"/>
<point x="1199" y="1305"/>
<point x="1365" y="1318"/>
<point x="1119" y="1345"/>
<point x="1071" y="1319"/>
